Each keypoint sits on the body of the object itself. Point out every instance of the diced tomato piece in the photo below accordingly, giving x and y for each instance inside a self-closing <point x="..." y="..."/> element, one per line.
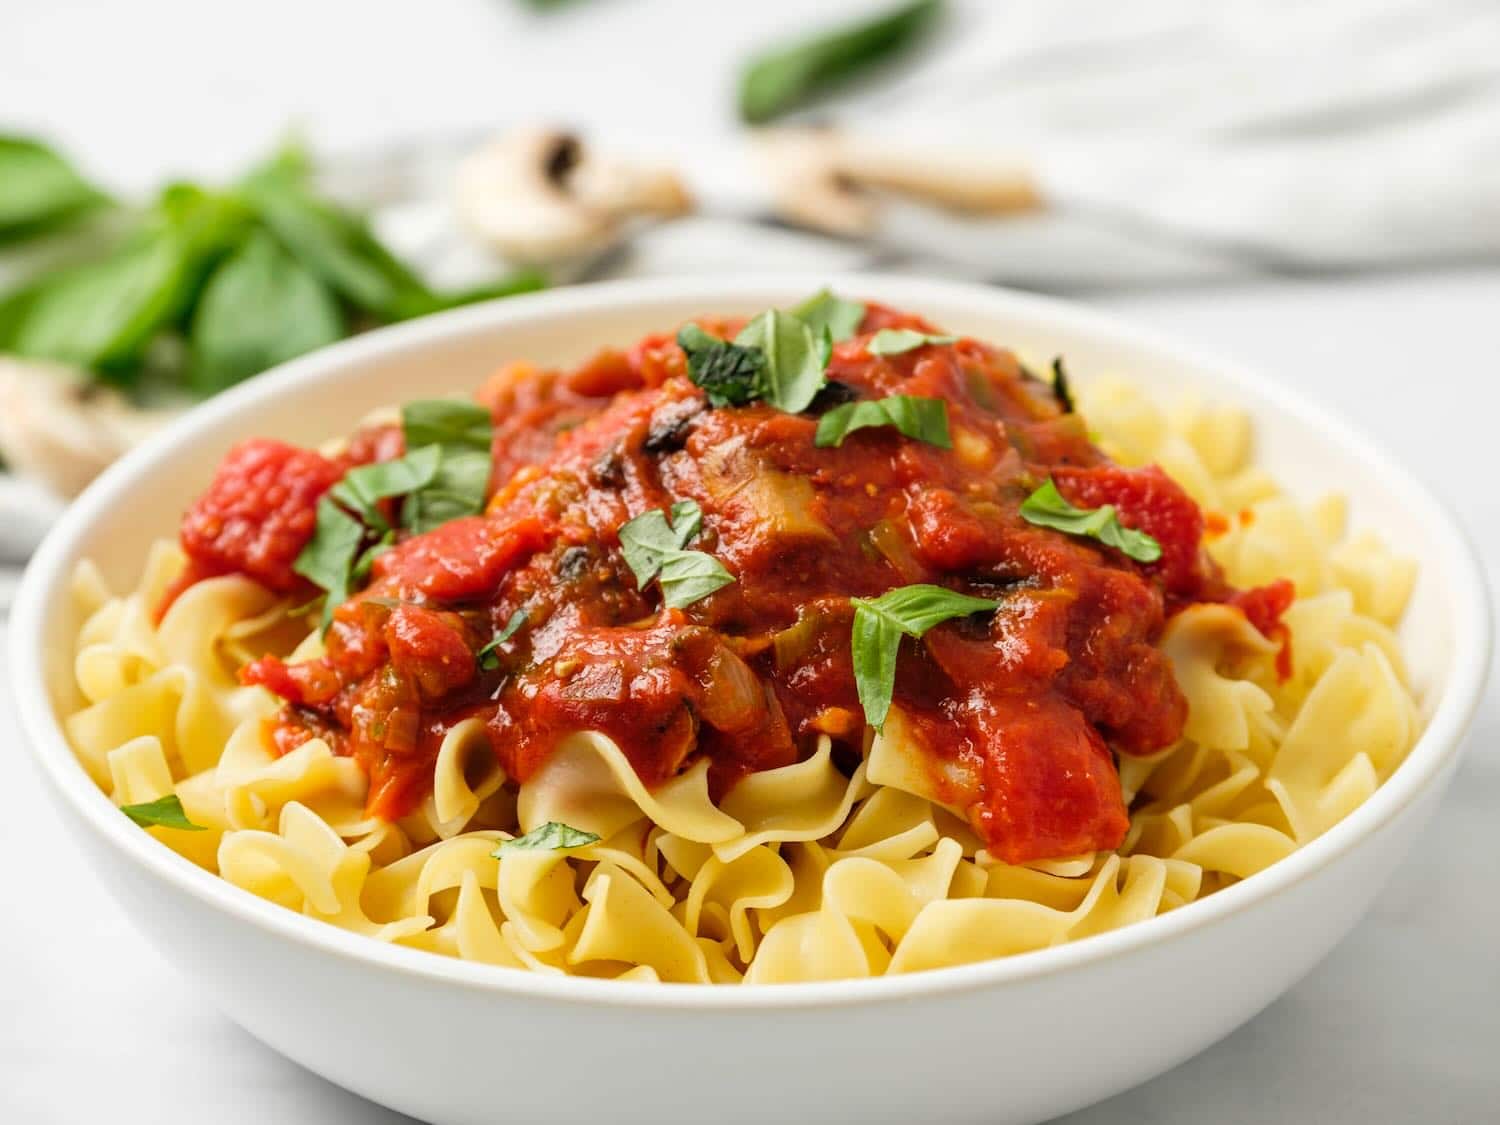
<point x="463" y="558"/>
<point x="429" y="648"/>
<point x="1263" y="607"/>
<point x="311" y="683"/>
<point x="257" y="515"/>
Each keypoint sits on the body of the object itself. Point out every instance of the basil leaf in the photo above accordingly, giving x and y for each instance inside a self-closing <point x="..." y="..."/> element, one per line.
<point x="648" y="539"/>
<point x="458" y="489"/>
<point x="364" y="486"/>
<point x="925" y="419"/>
<point x="329" y="557"/>
<point x="794" y="358"/>
<point x="824" y="311"/>
<point x="729" y="374"/>
<point x="787" y="77"/>
<point x="164" y="812"/>
<point x="689" y="576"/>
<point x="366" y="561"/>
<point x="463" y="431"/>
<point x="259" y="308"/>
<point x="336" y="246"/>
<point x="1062" y="388"/>
<point x="895" y="341"/>
<point x="447" y="422"/>
<point x="39" y="191"/>
<point x="486" y="656"/>
<point x="549" y="837"/>
<point x="880" y="623"/>
<point x="1046" y="507"/>
<point x="104" y="314"/>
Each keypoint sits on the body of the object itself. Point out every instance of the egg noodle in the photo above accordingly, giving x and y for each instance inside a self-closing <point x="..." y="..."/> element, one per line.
<point x="800" y="873"/>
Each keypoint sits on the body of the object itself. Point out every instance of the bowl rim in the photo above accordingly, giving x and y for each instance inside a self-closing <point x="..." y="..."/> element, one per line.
<point x="43" y="732"/>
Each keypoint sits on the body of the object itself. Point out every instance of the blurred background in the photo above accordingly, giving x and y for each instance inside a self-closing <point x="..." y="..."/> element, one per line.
<point x="192" y="192"/>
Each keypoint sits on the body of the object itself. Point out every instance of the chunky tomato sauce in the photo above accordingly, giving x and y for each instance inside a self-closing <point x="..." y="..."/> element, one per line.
<point x="1020" y="710"/>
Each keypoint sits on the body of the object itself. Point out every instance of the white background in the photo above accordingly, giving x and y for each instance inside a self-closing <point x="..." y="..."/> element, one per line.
<point x="1400" y="1024"/>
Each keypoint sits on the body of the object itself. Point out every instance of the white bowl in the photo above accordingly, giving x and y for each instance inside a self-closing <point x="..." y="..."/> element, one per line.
<point x="1015" y="1040"/>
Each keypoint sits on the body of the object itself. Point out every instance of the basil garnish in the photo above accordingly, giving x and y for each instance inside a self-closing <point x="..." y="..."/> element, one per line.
<point x="879" y="625"/>
<point x="550" y="837"/>
<point x="443" y="475"/>
<point x="825" y="311"/>
<point x="895" y="341"/>
<point x="1046" y="507"/>
<point x="488" y="660"/>
<point x="795" y="358"/>
<point x="165" y="812"/>
<point x="654" y="549"/>
<point x="1062" y="388"/>
<point x="729" y="374"/>
<point x="925" y="419"/>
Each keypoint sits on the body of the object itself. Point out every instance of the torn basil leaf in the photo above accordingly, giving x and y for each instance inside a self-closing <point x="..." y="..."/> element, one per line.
<point x="328" y="559"/>
<point x="164" y="812"/>
<point x="446" y="422"/>
<point x="1046" y="507"/>
<point x="795" y="358"/>
<point x="925" y="419"/>
<point x="488" y="658"/>
<point x="879" y="625"/>
<point x="728" y="373"/>
<point x="895" y="341"/>
<point x="825" y="311"/>
<point x="364" y="486"/>
<point x="550" y="837"/>
<point x="1062" y="388"/>
<point x="655" y="550"/>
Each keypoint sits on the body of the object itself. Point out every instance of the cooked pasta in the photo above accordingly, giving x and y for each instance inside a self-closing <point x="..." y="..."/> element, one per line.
<point x="822" y="867"/>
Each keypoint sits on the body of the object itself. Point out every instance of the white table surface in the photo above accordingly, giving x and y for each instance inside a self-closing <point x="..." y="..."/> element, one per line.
<point x="1400" y="1024"/>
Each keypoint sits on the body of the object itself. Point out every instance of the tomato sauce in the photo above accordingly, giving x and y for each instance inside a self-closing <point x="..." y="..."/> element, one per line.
<point x="1027" y="705"/>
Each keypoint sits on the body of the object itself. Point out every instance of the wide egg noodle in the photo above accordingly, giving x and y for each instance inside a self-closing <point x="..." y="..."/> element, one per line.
<point x="800" y="873"/>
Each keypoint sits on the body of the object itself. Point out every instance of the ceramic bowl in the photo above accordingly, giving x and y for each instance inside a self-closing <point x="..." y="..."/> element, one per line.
<point x="1008" y="1041"/>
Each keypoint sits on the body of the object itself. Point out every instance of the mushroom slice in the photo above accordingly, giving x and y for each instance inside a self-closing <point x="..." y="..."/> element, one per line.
<point x="828" y="180"/>
<point x="59" y="428"/>
<point x="540" y="197"/>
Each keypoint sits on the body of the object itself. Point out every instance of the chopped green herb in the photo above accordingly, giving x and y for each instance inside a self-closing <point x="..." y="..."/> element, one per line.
<point x="447" y="422"/>
<point x="549" y="837"/>
<point x="654" y="549"/>
<point x="1062" y="388"/>
<point x="895" y="341"/>
<point x="729" y="374"/>
<point x="879" y="625"/>
<point x="1046" y="507"/>
<point x="488" y="659"/>
<point x="164" y="812"/>
<point x="823" y="310"/>
<point x="795" y="358"/>
<point x="787" y="77"/>
<point x="925" y="419"/>
<point x="328" y="560"/>
<point x="364" y="486"/>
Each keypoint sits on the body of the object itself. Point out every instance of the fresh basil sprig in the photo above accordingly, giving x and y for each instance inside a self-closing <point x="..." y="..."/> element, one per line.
<point x="443" y="475"/>
<point x="164" y="812"/>
<point x="656" y="550"/>
<point x="777" y="357"/>
<point x="787" y="77"/>
<point x="879" y="625"/>
<point x="40" y="192"/>
<point x="1046" y="507"/>
<point x="826" y="311"/>
<point x="550" y="837"/>
<point x="925" y="419"/>
<point x="895" y="341"/>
